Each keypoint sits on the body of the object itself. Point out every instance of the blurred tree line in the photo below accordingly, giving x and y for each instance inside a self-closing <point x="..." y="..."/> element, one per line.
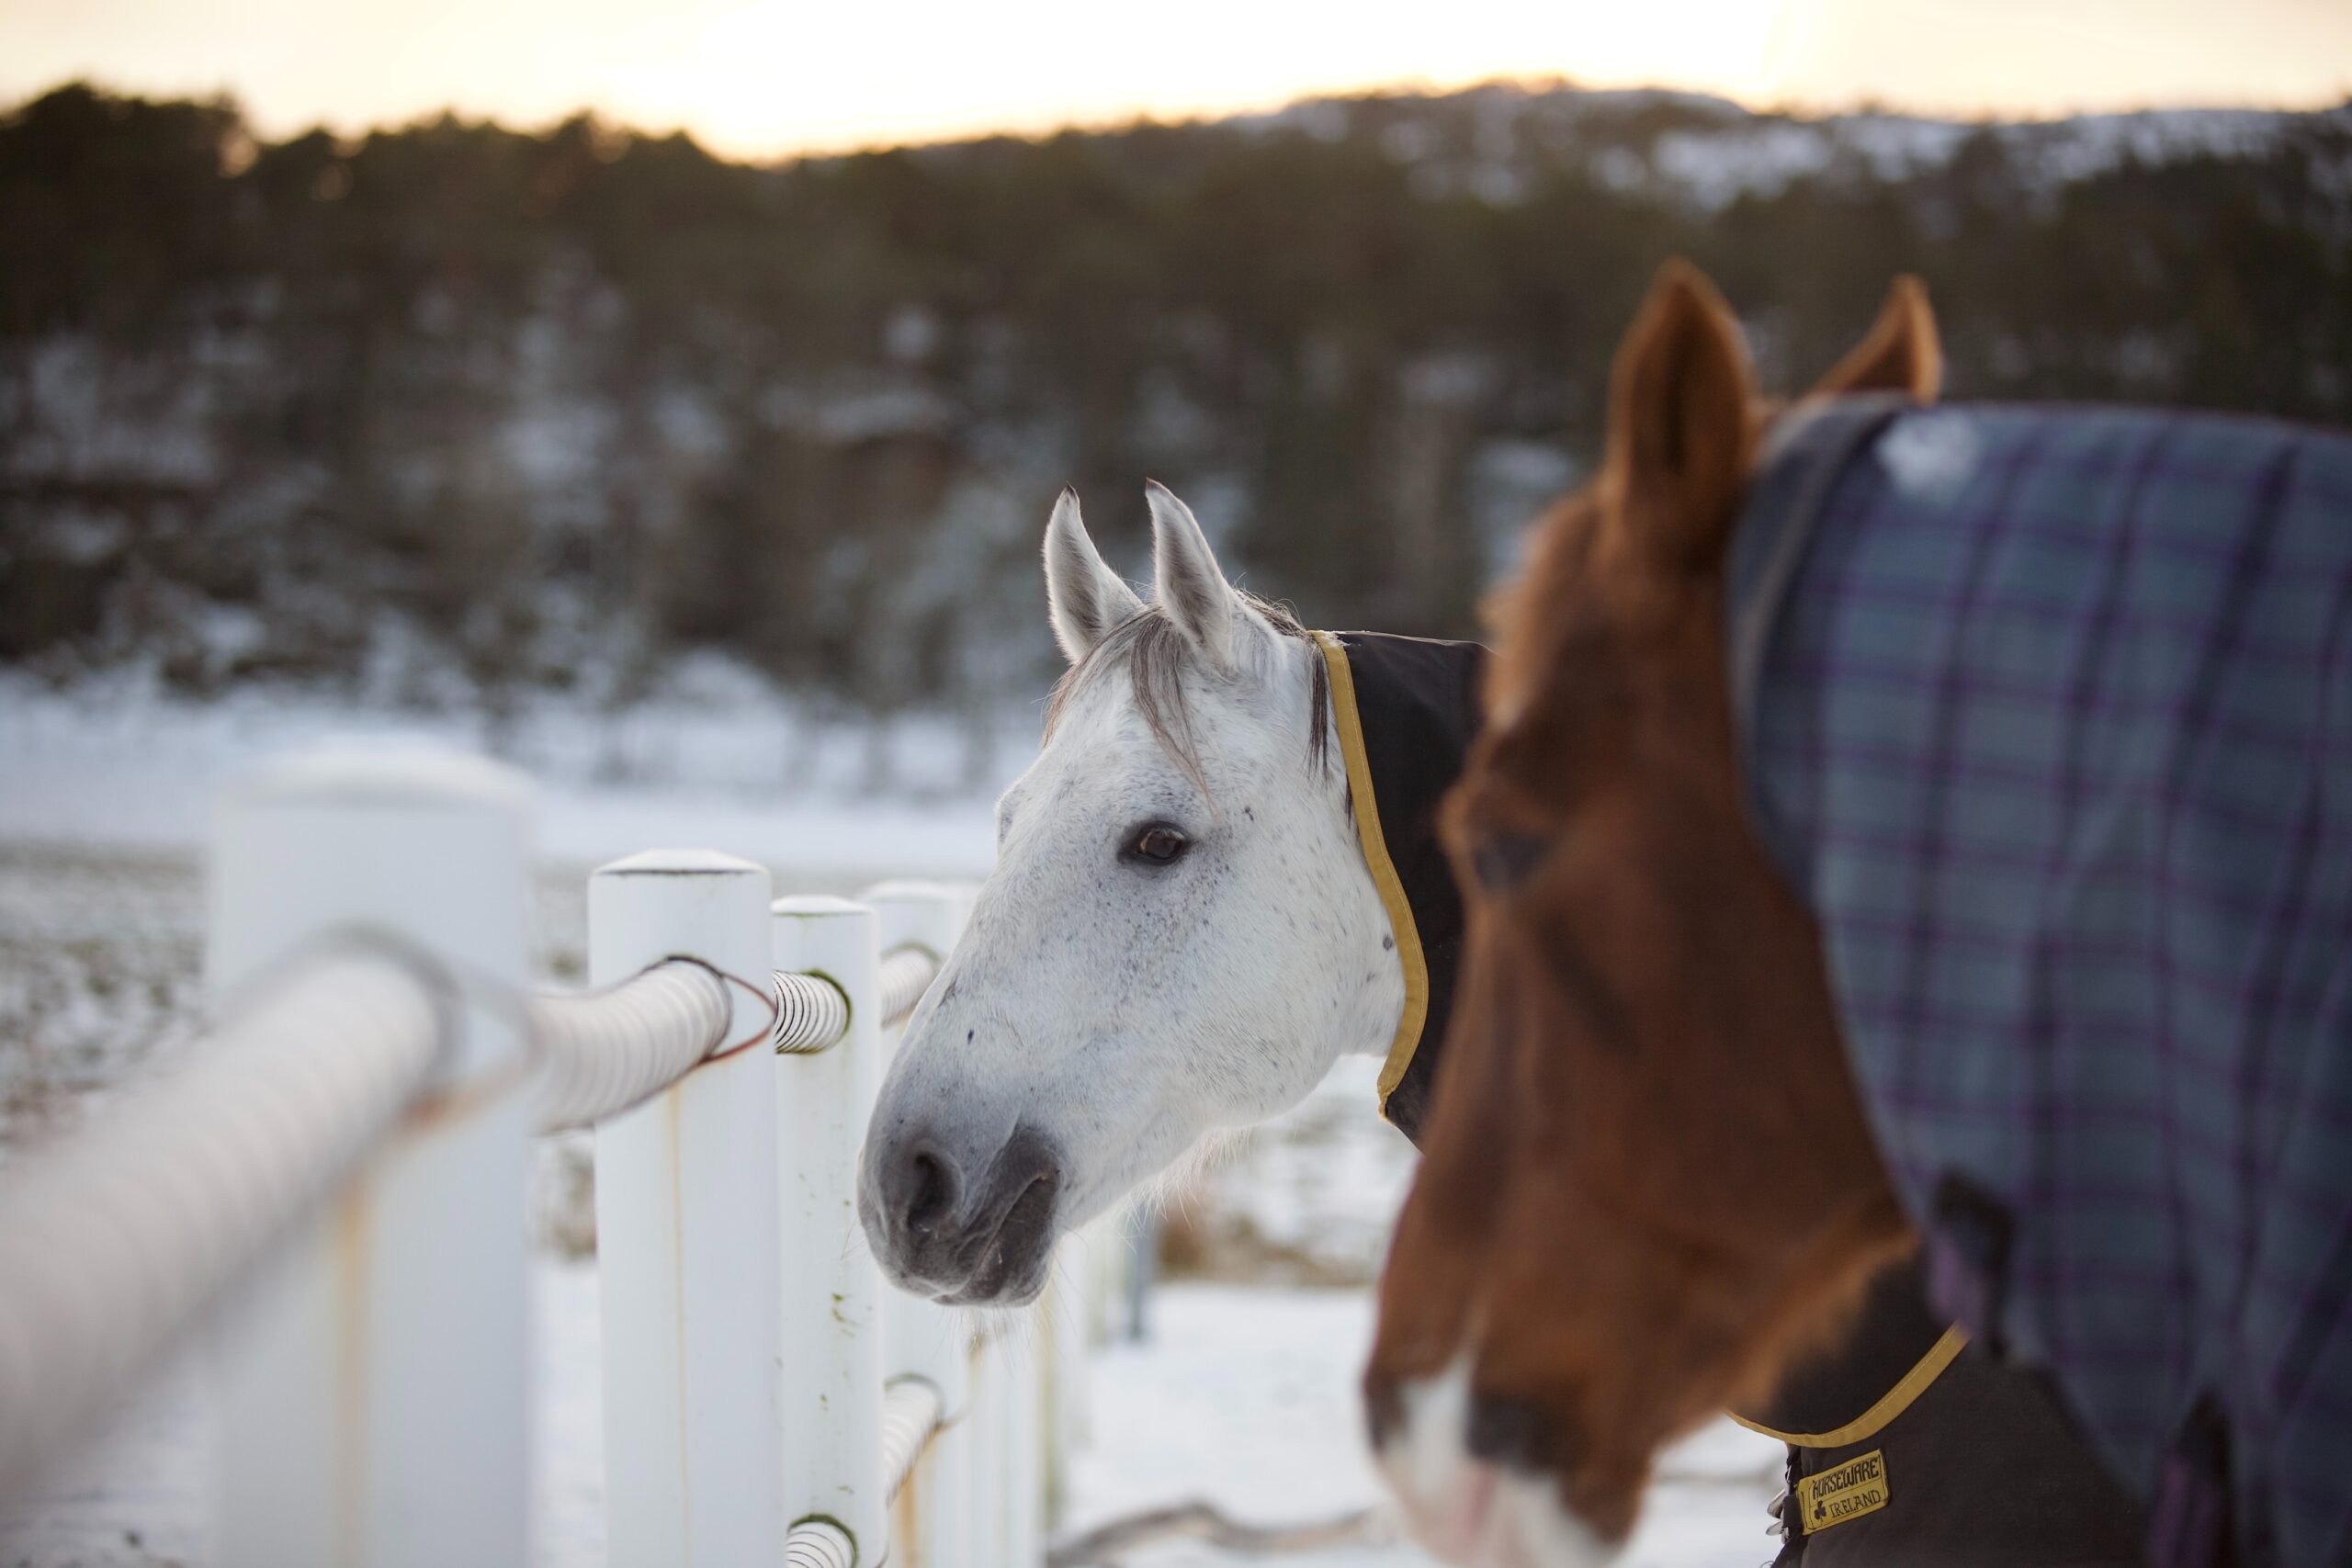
<point x="548" y="410"/>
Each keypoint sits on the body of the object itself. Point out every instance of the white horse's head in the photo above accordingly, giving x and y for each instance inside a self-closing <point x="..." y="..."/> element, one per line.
<point x="1180" y="933"/>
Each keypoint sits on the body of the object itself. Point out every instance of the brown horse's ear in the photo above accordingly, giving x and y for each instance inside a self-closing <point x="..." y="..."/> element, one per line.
<point x="1679" y="416"/>
<point x="1901" y="353"/>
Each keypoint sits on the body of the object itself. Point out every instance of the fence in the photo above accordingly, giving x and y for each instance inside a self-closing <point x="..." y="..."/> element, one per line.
<point x="344" y="1158"/>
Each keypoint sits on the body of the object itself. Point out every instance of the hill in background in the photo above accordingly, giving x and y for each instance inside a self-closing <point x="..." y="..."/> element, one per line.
<point x="456" y="413"/>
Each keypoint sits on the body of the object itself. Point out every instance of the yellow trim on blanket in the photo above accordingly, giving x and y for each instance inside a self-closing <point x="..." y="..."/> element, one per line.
<point x="1383" y="870"/>
<point x="1896" y="1401"/>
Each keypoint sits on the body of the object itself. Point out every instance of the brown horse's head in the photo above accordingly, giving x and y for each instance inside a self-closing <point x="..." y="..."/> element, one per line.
<point x="1647" y="1182"/>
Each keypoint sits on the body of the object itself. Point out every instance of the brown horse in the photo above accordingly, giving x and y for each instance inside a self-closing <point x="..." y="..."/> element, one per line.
<point x="1651" y="1185"/>
<point x="1632" y="956"/>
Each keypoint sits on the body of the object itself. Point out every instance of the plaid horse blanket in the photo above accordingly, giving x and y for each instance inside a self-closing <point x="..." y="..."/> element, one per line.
<point x="2048" y="714"/>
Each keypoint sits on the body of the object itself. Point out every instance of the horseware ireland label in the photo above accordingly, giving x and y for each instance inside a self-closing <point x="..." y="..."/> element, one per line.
<point x="1844" y="1492"/>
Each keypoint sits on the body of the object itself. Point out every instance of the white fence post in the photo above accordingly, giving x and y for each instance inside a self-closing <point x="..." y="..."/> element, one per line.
<point x="829" y="1337"/>
<point x="1067" y="1309"/>
<point x="375" y="1403"/>
<point x="1025" y="1350"/>
<point x="931" y="1516"/>
<point x="994" y="1469"/>
<point x="687" y="1241"/>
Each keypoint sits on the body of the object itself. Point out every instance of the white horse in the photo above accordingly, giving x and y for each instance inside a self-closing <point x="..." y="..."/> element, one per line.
<point x="1181" y="935"/>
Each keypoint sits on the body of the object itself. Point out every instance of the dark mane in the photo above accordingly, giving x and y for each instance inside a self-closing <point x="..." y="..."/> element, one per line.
<point x="1153" y="652"/>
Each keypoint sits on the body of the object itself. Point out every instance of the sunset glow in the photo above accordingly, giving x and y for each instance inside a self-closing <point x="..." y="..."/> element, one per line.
<point x="762" y="78"/>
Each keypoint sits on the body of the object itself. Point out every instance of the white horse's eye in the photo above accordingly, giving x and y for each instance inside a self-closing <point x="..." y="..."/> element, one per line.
<point x="1158" y="844"/>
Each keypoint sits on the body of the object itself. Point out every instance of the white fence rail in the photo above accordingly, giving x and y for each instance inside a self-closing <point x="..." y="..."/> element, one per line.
<point x="607" y="1052"/>
<point x="111" y="1248"/>
<point x="342" y="1159"/>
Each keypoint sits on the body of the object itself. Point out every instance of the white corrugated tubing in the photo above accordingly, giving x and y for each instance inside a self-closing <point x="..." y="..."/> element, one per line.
<point x="602" y="1052"/>
<point x="911" y="1413"/>
<point x="905" y="975"/>
<point x="811" y="1013"/>
<point x="119" y="1240"/>
<point x="816" y="1543"/>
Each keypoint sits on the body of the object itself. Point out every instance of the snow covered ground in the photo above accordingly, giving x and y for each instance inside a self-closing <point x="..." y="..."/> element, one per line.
<point x="723" y="761"/>
<point x="1244" y="1395"/>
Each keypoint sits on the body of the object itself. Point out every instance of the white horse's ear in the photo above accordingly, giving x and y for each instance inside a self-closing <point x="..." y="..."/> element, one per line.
<point x="1087" y="597"/>
<point x="1187" y="584"/>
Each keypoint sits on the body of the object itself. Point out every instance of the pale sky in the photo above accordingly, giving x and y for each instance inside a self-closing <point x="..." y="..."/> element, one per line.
<point x="762" y="78"/>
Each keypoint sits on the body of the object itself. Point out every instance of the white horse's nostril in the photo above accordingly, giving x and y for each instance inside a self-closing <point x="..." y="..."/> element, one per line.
<point x="952" y="1222"/>
<point x="933" y="1191"/>
<point x="920" y="1186"/>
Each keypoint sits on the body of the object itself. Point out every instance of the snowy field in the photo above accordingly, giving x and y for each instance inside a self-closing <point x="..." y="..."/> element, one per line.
<point x="719" y="760"/>
<point x="1242" y="1395"/>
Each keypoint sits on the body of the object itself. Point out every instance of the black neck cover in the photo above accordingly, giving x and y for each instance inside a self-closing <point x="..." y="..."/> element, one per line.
<point x="1415" y="710"/>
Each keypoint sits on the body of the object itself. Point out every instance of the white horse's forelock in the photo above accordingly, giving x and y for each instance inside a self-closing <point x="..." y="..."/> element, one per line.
<point x="1150" y="649"/>
<point x="1117" y="1010"/>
